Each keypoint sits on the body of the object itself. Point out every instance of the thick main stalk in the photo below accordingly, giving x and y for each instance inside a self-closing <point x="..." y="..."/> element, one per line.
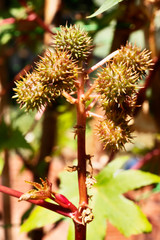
<point x="81" y="153"/>
<point x="80" y="230"/>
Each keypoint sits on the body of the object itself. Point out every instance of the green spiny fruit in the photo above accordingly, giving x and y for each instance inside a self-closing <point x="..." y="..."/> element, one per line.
<point x="115" y="82"/>
<point x="55" y="72"/>
<point x="132" y="57"/>
<point x="75" y="41"/>
<point x="58" y="70"/>
<point x="31" y="93"/>
<point x="113" y="136"/>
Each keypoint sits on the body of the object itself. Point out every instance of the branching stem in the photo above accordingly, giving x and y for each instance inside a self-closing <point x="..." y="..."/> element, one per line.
<point x="51" y="206"/>
<point x="103" y="61"/>
<point x="69" y="98"/>
<point x="92" y="114"/>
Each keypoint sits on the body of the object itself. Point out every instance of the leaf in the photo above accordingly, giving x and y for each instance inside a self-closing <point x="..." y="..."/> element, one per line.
<point x="99" y="220"/>
<point x="39" y="217"/>
<point x="111" y="169"/>
<point x="12" y="138"/>
<point x="69" y="186"/>
<point x="71" y="231"/>
<point x="1" y="164"/>
<point x="157" y="188"/>
<point x="129" y="180"/>
<point x="121" y="212"/>
<point x="105" y="6"/>
<point x="108" y="203"/>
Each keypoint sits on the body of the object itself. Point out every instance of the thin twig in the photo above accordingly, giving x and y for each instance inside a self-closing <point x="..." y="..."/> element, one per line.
<point x="69" y="98"/>
<point x="10" y="20"/>
<point x="92" y="104"/>
<point x="103" y="61"/>
<point x="90" y="90"/>
<point x="91" y="114"/>
<point x="32" y="16"/>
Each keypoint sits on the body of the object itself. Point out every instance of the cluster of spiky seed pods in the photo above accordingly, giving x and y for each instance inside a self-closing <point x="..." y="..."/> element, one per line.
<point x="57" y="70"/>
<point x="117" y="85"/>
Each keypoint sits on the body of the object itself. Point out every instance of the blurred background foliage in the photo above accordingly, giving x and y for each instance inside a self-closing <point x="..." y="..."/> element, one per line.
<point x="37" y="139"/>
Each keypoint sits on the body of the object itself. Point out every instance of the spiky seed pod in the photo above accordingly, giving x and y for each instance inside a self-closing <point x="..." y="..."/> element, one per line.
<point x="123" y="109"/>
<point x="55" y="72"/>
<point x="115" y="82"/>
<point x="113" y="136"/>
<point x="58" y="70"/>
<point x="31" y="93"/>
<point x="133" y="57"/>
<point x="74" y="40"/>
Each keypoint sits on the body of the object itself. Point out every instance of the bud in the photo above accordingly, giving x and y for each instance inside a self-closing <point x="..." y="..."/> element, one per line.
<point x="43" y="191"/>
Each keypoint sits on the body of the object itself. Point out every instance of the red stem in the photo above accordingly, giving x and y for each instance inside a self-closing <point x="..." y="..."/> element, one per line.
<point x="81" y="128"/>
<point x="10" y="20"/>
<point x="51" y="206"/>
<point x="80" y="230"/>
<point x="32" y="16"/>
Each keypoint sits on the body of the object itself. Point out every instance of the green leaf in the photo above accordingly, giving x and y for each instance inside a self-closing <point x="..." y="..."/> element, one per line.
<point x="122" y="213"/>
<point x="19" y="13"/>
<point x="69" y="186"/>
<point x="129" y="180"/>
<point x="99" y="219"/>
<point x="157" y="188"/>
<point x="71" y="231"/>
<point x="39" y="217"/>
<point x="1" y="164"/>
<point x="105" y="6"/>
<point x="112" y="182"/>
<point x="11" y="138"/>
<point x="111" y="169"/>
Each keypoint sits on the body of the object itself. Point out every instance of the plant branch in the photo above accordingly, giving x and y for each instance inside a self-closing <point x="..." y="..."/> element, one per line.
<point x="51" y="206"/>
<point x="92" y="104"/>
<point x="90" y="90"/>
<point x="91" y="114"/>
<point x="69" y="98"/>
<point x="81" y="128"/>
<point x="10" y="20"/>
<point x="80" y="230"/>
<point x="32" y="16"/>
<point x="103" y="61"/>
